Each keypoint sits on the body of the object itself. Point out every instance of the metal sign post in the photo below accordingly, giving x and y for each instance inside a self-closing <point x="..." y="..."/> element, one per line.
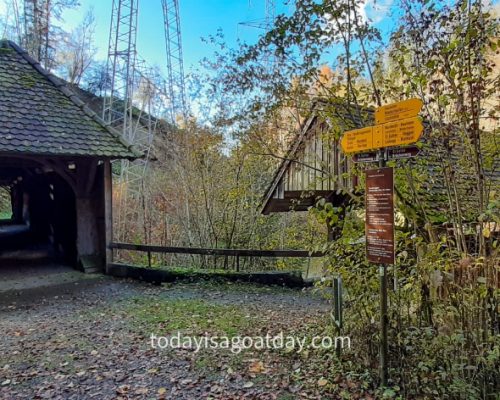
<point x="380" y="193"/>
<point x="396" y="124"/>
<point x="338" y="309"/>
<point x="380" y="243"/>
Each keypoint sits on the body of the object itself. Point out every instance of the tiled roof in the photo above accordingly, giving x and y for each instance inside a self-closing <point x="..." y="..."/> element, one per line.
<point x="40" y="115"/>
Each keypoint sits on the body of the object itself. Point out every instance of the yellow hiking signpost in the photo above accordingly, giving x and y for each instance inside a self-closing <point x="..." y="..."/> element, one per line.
<point x="397" y="133"/>
<point x="397" y="125"/>
<point x="396" y="111"/>
<point x="357" y="140"/>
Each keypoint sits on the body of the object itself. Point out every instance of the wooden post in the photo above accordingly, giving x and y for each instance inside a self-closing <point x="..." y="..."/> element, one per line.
<point x="108" y="211"/>
<point x="87" y="236"/>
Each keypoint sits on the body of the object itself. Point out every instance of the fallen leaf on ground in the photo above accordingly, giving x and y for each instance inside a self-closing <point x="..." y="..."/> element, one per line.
<point x="322" y="382"/>
<point x="162" y="390"/>
<point x="257" y="367"/>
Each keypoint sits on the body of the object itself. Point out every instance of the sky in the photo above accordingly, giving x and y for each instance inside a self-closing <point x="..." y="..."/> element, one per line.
<point x="199" y="18"/>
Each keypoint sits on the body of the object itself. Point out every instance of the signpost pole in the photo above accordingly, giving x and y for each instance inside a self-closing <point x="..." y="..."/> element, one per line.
<point x="396" y="124"/>
<point x="384" y="319"/>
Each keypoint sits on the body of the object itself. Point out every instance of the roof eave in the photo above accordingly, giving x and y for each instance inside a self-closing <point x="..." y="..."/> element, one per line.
<point x="58" y="83"/>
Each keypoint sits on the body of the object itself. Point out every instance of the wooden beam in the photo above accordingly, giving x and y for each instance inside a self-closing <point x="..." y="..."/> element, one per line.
<point x="215" y="252"/>
<point x="87" y="231"/>
<point x="108" y="210"/>
<point x="89" y="176"/>
<point x="61" y="169"/>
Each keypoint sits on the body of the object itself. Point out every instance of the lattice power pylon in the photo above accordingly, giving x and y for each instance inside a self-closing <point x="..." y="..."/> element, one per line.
<point x="117" y="104"/>
<point x="117" y="108"/>
<point x="265" y="24"/>
<point x="136" y="98"/>
<point x="269" y="23"/>
<point x="270" y="14"/>
<point x="175" y="64"/>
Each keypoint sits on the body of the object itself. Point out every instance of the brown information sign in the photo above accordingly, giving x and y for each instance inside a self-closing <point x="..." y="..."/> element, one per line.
<point x="380" y="215"/>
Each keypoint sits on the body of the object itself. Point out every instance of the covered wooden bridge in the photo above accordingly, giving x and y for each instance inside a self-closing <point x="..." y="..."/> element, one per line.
<point x="55" y="170"/>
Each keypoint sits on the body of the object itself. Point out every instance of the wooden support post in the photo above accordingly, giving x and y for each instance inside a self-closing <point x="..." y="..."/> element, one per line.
<point x="87" y="234"/>
<point x="108" y="211"/>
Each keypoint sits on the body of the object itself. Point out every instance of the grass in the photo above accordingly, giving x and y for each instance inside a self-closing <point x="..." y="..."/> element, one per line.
<point x="5" y="215"/>
<point x="194" y="316"/>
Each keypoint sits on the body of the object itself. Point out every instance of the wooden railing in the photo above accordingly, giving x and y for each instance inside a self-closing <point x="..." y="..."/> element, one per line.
<point x="213" y="252"/>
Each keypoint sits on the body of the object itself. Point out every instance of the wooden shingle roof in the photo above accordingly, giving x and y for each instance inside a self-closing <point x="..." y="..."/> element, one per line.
<point x="40" y="115"/>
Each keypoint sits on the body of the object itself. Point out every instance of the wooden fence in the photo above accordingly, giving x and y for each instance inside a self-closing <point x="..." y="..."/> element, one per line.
<point x="149" y="249"/>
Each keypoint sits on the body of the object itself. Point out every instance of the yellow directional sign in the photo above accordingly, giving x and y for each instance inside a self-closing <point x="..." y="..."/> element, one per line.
<point x="396" y="111"/>
<point x="357" y="140"/>
<point x="401" y="132"/>
<point x="396" y="133"/>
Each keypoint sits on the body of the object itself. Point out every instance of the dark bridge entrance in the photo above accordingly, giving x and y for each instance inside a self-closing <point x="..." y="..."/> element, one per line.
<point x="55" y="156"/>
<point x="42" y="221"/>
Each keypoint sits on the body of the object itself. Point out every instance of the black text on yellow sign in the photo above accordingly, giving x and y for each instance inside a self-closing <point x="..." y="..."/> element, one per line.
<point x="397" y="111"/>
<point x="397" y="133"/>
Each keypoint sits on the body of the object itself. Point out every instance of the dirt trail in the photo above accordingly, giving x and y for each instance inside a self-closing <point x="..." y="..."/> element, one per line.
<point x="88" y="340"/>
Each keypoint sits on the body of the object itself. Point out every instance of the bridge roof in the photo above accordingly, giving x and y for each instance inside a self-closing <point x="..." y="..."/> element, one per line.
<point x="40" y="115"/>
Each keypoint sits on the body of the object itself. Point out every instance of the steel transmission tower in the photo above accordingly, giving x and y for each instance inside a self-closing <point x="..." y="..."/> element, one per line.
<point x="136" y="98"/>
<point x="117" y="104"/>
<point x="266" y="24"/>
<point x="175" y="65"/>
<point x="117" y="108"/>
<point x="269" y="23"/>
<point x="270" y="14"/>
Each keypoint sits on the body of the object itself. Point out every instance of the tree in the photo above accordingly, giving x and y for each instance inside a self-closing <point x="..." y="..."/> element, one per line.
<point x="444" y="302"/>
<point x="40" y="32"/>
<point x="78" y="50"/>
<point x="96" y="78"/>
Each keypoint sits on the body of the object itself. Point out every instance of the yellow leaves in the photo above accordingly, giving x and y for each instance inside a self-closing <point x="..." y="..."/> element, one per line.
<point x="162" y="391"/>
<point x="257" y="367"/>
<point x="322" y="382"/>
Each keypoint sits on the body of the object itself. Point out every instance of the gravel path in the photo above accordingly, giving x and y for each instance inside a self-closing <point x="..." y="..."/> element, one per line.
<point x="85" y="339"/>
